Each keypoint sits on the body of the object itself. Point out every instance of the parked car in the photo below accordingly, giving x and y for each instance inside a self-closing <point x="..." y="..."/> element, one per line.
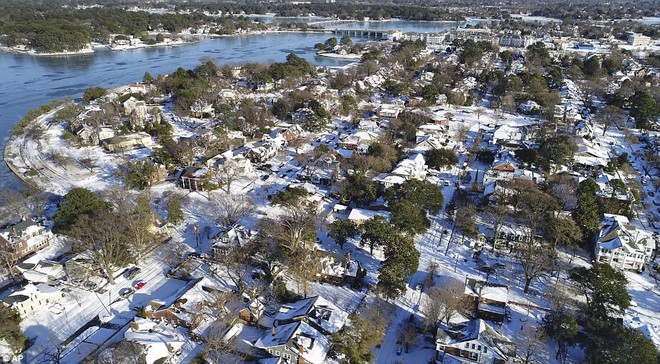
<point x="139" y="285"/>
<point x="399" y="350"/>
<point x="90" y="285"/>
<point x="126" y="292"/>
<point x="132" y="272"/>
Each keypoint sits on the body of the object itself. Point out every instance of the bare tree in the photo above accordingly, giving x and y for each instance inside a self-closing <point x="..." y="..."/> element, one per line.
<point x="102" y="237"/>
<point x="138" y="225"/>
<point x="532" y="349"/>
<point x="236" y="262"/>
<point x="443" y="302"/>
<point x="13" y="202"/>
<point x="429" y="281"/>
<point x="231" y="209"/>
<point x="226" y="174"/>
<point x="462" y="133"/>
<point x="124" y="352"/>
<point x="610" y="115"/>
<point x="294" y="230"/>
<point x="7" y="258"/>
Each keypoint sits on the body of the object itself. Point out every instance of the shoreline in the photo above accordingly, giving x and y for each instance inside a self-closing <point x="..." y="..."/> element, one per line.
<point x="93" y="48"/>
<point x="348" y="57"/>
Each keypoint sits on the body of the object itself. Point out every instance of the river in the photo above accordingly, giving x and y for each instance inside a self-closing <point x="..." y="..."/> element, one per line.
<point x="29" y="81"/>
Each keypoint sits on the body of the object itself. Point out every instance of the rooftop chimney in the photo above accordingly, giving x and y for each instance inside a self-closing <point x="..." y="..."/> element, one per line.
<point x="272" y="330"/>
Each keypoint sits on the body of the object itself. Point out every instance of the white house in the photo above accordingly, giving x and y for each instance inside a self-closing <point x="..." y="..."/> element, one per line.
<point x="622" y="245"/>
<point x="32" y="298"/>
<point x="473" y="342"/>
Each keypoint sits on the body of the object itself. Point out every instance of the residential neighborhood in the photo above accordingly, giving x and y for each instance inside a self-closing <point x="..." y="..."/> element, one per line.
<point x="485" y="192"/>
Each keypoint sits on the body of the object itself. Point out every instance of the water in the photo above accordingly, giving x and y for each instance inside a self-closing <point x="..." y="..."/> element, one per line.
<point x="28" y="81"/>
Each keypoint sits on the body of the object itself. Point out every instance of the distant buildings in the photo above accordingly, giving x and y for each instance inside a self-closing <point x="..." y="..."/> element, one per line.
<point x="636" y="39"/>
<point x="516" y="41"/>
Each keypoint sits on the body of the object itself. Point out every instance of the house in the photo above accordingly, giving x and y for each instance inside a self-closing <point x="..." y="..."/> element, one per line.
<point x="504" y="168"/>
<point x="202" y="109"/>
<point x="473" y="342"/>
<point x="296" y="342"/>
<point x="192" y="178"/>
<point x="160" y="342"/>
<point x="122" y="143"/>
<point x="139" y="88"/>
<point x="262" y="153"/>
<point x="476" y="34"/>
<point x="636" y="39"/>
<point x="414" y="167"/>
<point x="623" y="245"/>
<point x="359" y="215"/>
<point x="23" y="239"/>
<point x="529" y="107"/>
<point x="43" y="271"/>
<point x="489" y="299"/>
<point x="386" y="180"/>
<point x="510" y="136"/>
<point x="516" y="41"/>
<point x="323" y="315"/>
<point x="134" y="105"/>
<point x="227" y="239"/>
<point x="33" y="298"/>
<point x="389" y="111"/>
<point x="252" y="311"/>
<point x="338" y="269"/>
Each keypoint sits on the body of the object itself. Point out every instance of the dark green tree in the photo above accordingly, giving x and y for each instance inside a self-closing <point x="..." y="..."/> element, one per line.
<point x="558" y="151"/>
<point x="562" y="326"/>
<point x="588" y="212"/>
<point x="76" y="202"/>
<point x="174" y="212"/>
<point x="147" y="78"/>
<point x="341" y="230"/>
<point x="604" y="289"/>
<point x="421" y="193"/>
<point x="290" y="196"/>
<point x="10" y="331"/>
<point x="401" y="260"/>
<point x="378" y="232"/>
<point x="644" y="109"/>
<point x="441" y="158"/>
<point x="93" y="93"/>
<point x="608" y="342"/>
<point x="359" y="189"/>
<point x="409" y="217"/>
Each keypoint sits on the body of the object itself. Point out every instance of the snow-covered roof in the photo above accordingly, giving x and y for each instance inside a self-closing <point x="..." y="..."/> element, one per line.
<point x="314" y="345"/>
<point x="320" y="311"/>
<point x="159" y="340"/>
<point x="358" y="214"/>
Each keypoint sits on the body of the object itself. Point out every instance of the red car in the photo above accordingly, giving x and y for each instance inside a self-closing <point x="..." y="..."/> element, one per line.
<point x="139" y="285"/>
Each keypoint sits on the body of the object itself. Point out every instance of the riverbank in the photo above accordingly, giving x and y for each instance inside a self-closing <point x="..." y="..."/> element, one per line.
<point x="350" y="57"/>
<point x="32" y="52"/>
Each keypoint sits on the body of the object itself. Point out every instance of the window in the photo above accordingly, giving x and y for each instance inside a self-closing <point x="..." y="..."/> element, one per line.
<point x="467" y="345"/>
<point x="277" y="353"/>
<point x="485" y="349"/>
<point x="479" y="347"/>
<point x="473" y="346"/>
